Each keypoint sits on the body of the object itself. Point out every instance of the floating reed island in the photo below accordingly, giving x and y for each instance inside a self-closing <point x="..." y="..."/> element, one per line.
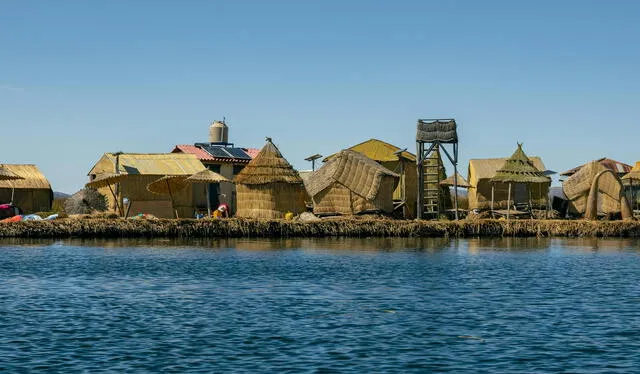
<point x="359" y="228"/>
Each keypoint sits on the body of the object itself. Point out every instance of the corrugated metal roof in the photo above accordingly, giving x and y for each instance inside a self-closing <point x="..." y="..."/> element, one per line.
<point x="157" y="163"/>
<point x="203" y="155"/>
<point x="192" y="149"/>
<point x="33" y="177"/>
<point x="616" y="166"/>
<point x="252" y="152"/>
<point x="378" y="150"/>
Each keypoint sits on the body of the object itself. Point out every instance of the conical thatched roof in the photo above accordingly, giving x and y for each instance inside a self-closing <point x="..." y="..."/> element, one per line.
<point x="268" y="167"/>
<point x="207" y="176"/>
<point x="462" y="183"/>
<point x="519" y="169"/>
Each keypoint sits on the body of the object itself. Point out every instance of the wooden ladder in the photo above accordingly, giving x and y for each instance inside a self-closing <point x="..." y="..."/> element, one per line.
<point x="432" y="174"/>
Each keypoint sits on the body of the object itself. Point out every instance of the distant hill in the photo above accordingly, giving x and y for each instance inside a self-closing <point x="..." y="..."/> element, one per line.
<point x="60" y="195"/>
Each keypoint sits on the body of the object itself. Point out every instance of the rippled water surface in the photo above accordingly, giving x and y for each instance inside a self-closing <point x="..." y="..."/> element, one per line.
<point x="396" y="305"/>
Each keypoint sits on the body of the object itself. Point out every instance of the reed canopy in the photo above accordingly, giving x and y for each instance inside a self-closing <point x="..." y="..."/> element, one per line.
<point x="351" y="183"/>
<point x="269" y="187"/>
<point x="462" y="183"/>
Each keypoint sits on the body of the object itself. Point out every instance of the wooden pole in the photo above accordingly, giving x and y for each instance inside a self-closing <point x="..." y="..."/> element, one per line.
<point x="13" y="190"/>
<point x="530" y="201"/>
<point x="175" y="211"/>
<point x="509" y="201"/>
<point x="115" y="198"/>
<point x="492" y="194"/>
<point x="208" y="200"/>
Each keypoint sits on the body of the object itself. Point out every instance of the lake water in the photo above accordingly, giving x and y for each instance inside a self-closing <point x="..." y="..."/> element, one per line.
<point x="320" y="306"/>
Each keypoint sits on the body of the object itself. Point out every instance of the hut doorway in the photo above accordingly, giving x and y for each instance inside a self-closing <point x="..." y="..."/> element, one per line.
<point x="214" y="194"/>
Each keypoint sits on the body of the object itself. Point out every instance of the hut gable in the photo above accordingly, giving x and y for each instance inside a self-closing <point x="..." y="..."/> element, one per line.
<point x="353" y="170"/>
<point x="32" y="177"/>
<point x="378" y="150"/>
<point x="269" y="166"/>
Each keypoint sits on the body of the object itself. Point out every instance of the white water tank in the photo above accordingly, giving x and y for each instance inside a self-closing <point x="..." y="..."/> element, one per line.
<point x="218" y="132"/>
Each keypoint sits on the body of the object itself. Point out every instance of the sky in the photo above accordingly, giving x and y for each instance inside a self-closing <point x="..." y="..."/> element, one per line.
<point x="81" y="78"/>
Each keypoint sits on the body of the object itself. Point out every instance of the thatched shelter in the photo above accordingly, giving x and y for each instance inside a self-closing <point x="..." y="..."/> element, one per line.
<point x="351" y="183"/>
<point x="30" y="189"/>
<point x="596" y="189"/>
<point x="519" y="170"/>
<point x="631" y="182"/>
<point x="139" y="170"/>
<point x="482" y="171"/>
<point x="398" y="161"/>
<point x="269" y="187"/>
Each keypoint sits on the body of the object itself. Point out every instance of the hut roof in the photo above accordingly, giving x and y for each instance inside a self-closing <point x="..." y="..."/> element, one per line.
<point x="618" y="167"/>
<point x="519" y="169"/>
<point x="151" y="163"/>
<point x="269" y="166"/>
<point x="634" y="174"/>
<point x="486" y="168"/>
<point x="6" y="174"/>
<point x="378" y="150"/>
<point x="200" y="153"/>
<point x="461" y="182"/>
<point x="32" y="177"/>
<point x="353" y="170"/>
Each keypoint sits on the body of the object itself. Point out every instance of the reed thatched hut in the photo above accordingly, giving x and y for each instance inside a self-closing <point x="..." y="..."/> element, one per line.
<point x="130" y="174"/>
<point x="398" y="161"/>
<point x="351" y="183"/>
<point x="596" y="189"/>
<point x="518" y="170"/>
<point x="31" y="193"/>
<point x="268" y="187"/>
<point x="481" y="179"/>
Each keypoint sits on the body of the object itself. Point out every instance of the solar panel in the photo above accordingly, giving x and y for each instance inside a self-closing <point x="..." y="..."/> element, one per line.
<point x="238" y="153"/>
<point x="225" y="152"/>
<point x="217" y="152"/>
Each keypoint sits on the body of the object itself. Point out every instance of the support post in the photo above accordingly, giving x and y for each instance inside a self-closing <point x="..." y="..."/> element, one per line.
<point x="207" y="187"/>
<point x="509" y="201"/>
<point x="492" y="196"/>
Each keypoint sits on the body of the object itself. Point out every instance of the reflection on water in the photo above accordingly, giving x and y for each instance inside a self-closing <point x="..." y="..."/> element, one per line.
<point x="320" y="305"/>
<point x="472" y="245"/>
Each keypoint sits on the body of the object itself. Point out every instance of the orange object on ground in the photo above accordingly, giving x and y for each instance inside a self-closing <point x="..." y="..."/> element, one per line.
<point x="12" y="219"/>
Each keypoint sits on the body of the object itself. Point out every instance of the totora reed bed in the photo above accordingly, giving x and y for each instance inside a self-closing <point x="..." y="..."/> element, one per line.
<point x="362" y="227"/>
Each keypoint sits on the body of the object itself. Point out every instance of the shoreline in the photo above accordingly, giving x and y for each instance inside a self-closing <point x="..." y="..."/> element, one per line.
<point x="355" y="228"/>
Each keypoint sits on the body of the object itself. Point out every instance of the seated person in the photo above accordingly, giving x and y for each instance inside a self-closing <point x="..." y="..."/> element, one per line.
<point x="222" y="211"/>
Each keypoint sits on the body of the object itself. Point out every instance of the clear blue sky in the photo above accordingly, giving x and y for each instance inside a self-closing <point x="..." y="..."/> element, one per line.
<point x="80" y="78"/>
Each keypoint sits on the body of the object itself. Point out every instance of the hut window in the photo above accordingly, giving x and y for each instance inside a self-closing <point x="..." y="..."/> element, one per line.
<point x="214" y="168"/>
<point x="237" y="169"/>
